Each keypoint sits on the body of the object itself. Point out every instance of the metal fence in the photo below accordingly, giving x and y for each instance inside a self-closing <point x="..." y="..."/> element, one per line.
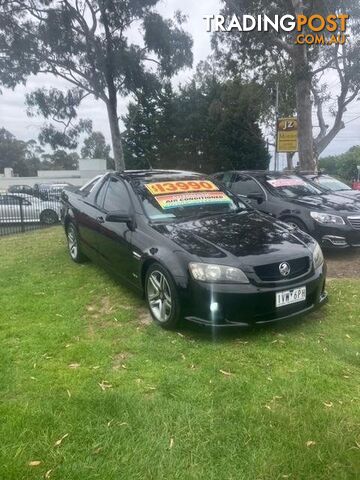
<point x="21" y="213"/>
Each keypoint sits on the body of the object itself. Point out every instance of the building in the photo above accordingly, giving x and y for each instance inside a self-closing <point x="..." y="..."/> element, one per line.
<point x="88" y="168"/>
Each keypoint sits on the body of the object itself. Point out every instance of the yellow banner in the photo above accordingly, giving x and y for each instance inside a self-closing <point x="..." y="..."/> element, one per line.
<point x="287" y="135"/>
<point x="181" y="186"/>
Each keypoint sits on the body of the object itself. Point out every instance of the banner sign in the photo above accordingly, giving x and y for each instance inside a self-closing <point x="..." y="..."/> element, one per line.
<point x="181" y="186"/>
<point x="286" y="182"/>
<point x="287" y="135"/>
<point x="178" y="200"/>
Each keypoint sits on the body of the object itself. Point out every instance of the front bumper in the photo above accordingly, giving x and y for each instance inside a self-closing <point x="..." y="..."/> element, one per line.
<point x="251" y="305"/>
<point x="341" y="236"/>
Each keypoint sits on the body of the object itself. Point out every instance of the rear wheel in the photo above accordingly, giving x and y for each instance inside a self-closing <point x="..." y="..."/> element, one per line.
<point x="295" y="223"/>
<point x="74" y="244"/>
<point x="162" y="297"/>
<point x="49" y="217"/>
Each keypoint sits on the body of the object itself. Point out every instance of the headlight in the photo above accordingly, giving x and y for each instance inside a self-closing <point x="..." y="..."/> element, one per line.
<point x="318" y="256"/>
<point x="206" y="272"/>
<point x="326" y="218"/>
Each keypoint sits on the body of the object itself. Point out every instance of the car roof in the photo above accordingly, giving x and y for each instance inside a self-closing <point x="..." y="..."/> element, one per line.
<point x="262" y="173"/>
<point x="154" y="174"/>
<point x="316" y="175"/>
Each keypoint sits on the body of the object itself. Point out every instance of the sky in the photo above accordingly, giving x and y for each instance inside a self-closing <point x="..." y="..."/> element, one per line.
<point x="13" y="113"/>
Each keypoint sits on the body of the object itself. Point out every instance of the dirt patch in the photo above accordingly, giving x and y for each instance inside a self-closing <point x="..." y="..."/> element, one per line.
<point x="119" y="360"/>
<point x="343" y="263"/>
<point x="100" y="307"/>
<point x="143" y="317"/>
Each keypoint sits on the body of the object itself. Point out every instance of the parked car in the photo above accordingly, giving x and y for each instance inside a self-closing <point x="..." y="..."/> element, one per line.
<point x="50" y="191"/>
<point x="333" y="185"/>
<point x="23" y="208"/>
<point x="194" y="249"/>
<point x="334" y="221"/>
<point x="21" y="189"/>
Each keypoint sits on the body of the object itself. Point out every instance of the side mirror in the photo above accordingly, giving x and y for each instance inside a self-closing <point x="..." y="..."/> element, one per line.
<point x="121" y="217"/>
<point x="258" y="197"/>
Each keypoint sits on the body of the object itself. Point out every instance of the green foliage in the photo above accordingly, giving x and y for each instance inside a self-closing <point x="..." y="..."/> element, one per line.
<point x="53" y="104"/>
<point x="343" y="166"/>
<point x="22" y="156"/>
<point x="89" y="44"/>
<point x="26" y="158"/>
<point x="208" y="126"/>
<point x="271" y="57"/>
<point x="60" y="160"/>
<point x="95" y="146"/>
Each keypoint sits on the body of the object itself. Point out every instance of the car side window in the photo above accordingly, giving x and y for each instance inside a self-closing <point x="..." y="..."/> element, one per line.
<point x="100" y="196"/>
<point x="117" y="196"/>
<point x="225" y="178"/>
<point x="7" y="200"/>
<point x="243" y="185"/>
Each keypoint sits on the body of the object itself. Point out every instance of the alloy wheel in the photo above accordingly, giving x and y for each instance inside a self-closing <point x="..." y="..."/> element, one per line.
<point x="159" y="296"/>
<point x="72" y="242"/>
<point x="49" y="217"/>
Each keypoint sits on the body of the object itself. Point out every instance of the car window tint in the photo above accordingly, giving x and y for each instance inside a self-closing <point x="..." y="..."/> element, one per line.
<point x="7" y="200"/>
<point x="100" y="196"/>
<point x="86" y="189"/>
<point x="331" y="184"/>
<point x="245" y="185"/>
<point x="117" y="197"/>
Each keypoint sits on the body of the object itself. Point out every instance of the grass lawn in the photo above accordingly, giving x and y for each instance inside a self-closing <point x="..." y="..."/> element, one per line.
<point x="90" y="389"/>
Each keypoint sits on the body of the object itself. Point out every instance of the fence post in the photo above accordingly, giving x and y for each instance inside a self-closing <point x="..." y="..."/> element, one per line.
<point x="22" y="216"/>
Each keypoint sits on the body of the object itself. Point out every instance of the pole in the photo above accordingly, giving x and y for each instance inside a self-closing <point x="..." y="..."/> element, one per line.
<point x="276" y="132"/>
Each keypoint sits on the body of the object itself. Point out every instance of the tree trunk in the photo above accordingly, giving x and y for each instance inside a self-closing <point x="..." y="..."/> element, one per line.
<point x="304" y="108"/>
<point x="289" y="161"/>
<point x="111" y="102"/>
<point x="115" y="136"/>
<point x="303" y="99"/>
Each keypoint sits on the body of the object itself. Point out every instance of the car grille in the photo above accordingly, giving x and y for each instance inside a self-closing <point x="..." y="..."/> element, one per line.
<point x="354" y="222"/>
<point x="271" y="272"/>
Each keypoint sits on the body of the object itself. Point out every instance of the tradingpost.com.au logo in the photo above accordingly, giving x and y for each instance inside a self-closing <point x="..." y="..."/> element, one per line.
<point x="321" y="30"/>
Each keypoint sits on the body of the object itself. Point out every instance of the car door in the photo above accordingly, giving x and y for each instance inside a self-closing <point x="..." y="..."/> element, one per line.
<point x="115" y="240"/>
<point x="31" y="210"/>
<point x="90" y="215"/>
<point x="10" y="209"/>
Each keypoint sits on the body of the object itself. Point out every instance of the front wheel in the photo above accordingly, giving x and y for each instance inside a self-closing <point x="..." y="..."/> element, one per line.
<point x="295" y="223"/>
<point x="49" y="217"/>
<point x="162" y="297"/>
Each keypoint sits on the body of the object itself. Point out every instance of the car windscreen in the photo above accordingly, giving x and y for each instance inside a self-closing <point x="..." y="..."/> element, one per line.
<point x="331" y="184"/>
<point x="291" y="186"/>
<point x="181" y="198"/>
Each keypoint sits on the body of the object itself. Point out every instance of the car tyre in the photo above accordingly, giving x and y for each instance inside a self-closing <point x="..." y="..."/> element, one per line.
<point x="49" y="217"/>
<point x="162" y="297"/>
<point x="74" y="244"/>
<point x="296" y="223"/>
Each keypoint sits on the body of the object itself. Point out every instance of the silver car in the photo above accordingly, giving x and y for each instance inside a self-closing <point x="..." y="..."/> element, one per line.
<point x="24" y="208"/>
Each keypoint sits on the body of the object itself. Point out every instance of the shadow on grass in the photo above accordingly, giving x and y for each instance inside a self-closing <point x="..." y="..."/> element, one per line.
<point x="223" y="335"/>
<point x="206" y="334"/>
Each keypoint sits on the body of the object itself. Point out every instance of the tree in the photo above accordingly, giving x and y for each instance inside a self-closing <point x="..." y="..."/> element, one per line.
<point x="22" y="157"/>
<point x="95" y="146"/>
<point x="87" y="43"/>
<point x="60" y="160"/>
<point x="263" y="55"/>
<point x="344" y="165"/>
<point x="209" y="125"/>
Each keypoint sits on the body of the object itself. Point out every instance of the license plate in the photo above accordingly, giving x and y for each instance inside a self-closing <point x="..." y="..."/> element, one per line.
<point x="290" y="296"/>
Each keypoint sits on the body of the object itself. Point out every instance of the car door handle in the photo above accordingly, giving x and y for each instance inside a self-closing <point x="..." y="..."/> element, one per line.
<point x="100" y="220"/>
